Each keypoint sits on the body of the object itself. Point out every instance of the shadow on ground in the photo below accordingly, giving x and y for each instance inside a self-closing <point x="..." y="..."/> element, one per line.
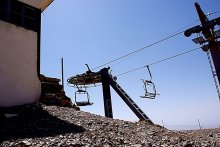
<point x="35" y="122"/>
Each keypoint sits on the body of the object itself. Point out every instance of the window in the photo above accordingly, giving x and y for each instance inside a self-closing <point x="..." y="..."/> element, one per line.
<point x="3" y="9"/>
<point x="16" y="6"/>
<point x="15" y="18"/>
<point x="29" y="23"/>
<point x="2" y="14"/>
<point x="29" y="18"/>
<point x="30" y="12"/>
<point x="3" y="3"/>
<point x="20" y="14"/>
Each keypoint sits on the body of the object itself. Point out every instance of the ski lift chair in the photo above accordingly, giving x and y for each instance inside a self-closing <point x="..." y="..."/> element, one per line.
<point x="149" y="87"/>
<point x="82" y="103"/>
<point x="148" y="94"/>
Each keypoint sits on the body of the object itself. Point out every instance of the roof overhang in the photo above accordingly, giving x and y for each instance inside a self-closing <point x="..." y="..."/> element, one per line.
<point x="45" y="4"/>
<point x="40" y="4"/>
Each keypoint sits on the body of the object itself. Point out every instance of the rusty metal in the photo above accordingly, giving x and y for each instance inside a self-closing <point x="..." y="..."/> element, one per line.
<point x="83" y="81"/>
<point x="87" y="78"/>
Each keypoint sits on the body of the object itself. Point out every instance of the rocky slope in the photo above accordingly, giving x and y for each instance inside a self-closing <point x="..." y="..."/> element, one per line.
<point x="42" y="125"/>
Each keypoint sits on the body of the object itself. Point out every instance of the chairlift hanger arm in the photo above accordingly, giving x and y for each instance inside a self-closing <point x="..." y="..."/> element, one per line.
<point x="148" y="68"/>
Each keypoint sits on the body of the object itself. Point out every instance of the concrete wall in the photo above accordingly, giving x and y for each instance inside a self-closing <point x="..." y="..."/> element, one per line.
<point x="19" y="83"/>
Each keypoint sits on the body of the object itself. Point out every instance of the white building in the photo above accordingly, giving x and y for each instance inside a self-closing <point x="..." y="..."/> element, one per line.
<point x="20" y="25"/>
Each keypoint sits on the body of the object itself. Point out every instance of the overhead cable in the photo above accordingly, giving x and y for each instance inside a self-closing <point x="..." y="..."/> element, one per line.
<point x="171" y="57"/>
<point x="126" y="56"/>
<point x="138" y="50"/>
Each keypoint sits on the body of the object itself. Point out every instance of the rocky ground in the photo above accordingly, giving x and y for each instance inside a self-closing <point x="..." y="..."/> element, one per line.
<point x="42" y="125"/>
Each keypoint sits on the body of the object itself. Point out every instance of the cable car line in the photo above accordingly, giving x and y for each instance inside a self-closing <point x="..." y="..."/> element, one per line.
<point x="139" y="50"/>
<point x="183" y="28"/>
<point x="171" y="57"/>
<point x="126" y="56"/>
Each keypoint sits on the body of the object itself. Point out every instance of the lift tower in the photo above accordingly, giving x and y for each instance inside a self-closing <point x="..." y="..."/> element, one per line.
<point x="208" y="38"/>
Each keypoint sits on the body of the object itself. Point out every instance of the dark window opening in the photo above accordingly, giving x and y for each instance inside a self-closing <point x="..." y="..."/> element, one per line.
<point x="29" y="23"/>
<point x="2" y="14"/>
<point x="30" y="12"/>
<point x="20" y="14"/>
<point x="16" y="6"/>
<point x="15" y="19"/>
<point x="3" y="3"/>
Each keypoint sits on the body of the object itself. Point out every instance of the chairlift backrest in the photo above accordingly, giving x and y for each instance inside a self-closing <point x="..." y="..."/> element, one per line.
<point x="82" y="103"/>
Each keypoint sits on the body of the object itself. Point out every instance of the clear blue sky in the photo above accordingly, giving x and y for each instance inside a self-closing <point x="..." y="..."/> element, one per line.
<point x="97" y="31"/>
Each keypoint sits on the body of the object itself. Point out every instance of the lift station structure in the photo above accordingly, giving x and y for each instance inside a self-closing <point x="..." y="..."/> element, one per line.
<point x="107" y="80"/>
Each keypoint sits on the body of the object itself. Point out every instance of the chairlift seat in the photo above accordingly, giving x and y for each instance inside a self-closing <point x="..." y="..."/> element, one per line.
<point x="85" y="103"/>
<point x="148" y="81"/>
<point x="149" y="96"/>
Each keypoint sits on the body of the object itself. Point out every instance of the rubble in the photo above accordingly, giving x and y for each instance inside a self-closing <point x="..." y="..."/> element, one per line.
<point x="53" y="93"/>
<point x="44" y="125"/>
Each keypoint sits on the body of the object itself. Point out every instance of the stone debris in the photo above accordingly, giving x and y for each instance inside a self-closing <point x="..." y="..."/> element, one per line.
<point x="43" y="125"/>
<point x="52" y="92"/>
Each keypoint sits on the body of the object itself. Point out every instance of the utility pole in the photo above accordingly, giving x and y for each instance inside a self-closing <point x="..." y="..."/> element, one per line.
<point x="208" y="38"/>
<point x="62" y="73"/>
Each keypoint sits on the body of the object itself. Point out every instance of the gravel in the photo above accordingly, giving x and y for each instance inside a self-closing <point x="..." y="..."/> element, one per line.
<point x="42" y="125"/>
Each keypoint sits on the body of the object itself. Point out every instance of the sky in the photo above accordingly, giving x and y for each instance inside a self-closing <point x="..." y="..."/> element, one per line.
<point x="94" y="32"/>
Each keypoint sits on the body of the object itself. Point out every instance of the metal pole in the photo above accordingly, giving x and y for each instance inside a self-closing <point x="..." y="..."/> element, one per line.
<point x="199" y="124"/>
<point x="162" y="123"/>
<point x="106" y="93"/>
<point x="62" y="74"/>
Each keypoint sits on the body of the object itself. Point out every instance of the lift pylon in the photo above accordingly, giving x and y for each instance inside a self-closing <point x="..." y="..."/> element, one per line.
<point x="208" y="40"/>
<point x="109" y="80"/>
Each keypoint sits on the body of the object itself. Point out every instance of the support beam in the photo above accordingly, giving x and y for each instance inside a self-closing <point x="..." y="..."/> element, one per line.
<point x="106" y="93"/>
<point x="203" y="19"/>
<point x="107" y="81"/>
